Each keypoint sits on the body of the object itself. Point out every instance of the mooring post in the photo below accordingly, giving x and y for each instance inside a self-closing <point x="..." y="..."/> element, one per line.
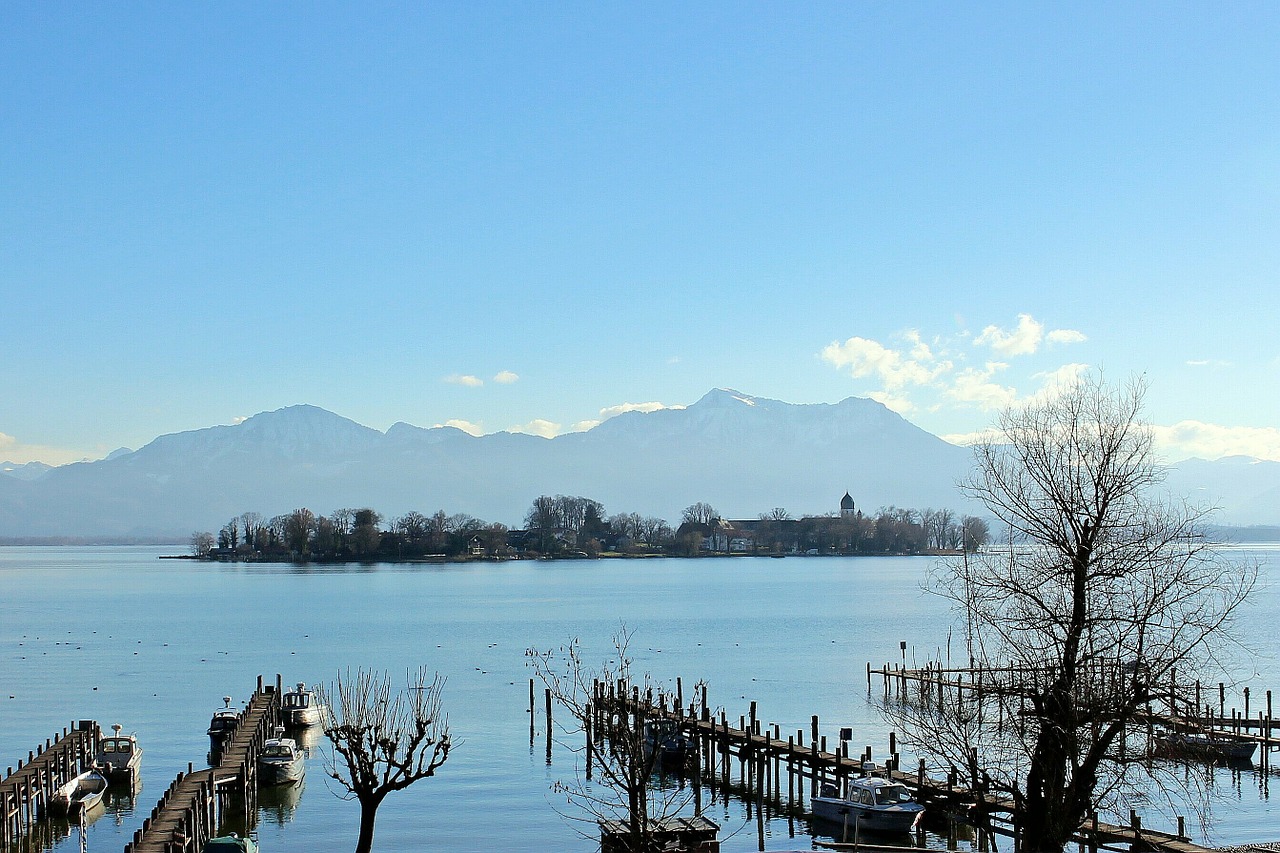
<point x="1222" y="699"/>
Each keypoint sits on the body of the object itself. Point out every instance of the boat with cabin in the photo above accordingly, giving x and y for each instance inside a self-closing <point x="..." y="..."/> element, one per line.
<point x="1209" y="746"/>
<point x="230" y="844"/>
<point x="78" y="797"/>
<point x="281" y="761"/>
<point x="221" y="728"/>
<point x="119" y="757"/>
<point x="301" y="707"/>
<point x="870" y="803"/>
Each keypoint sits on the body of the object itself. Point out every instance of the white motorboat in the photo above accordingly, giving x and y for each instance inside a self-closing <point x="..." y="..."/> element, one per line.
<point x="119" y="757"/>
<point x="221" y="726"/>
<point x="281" y="761"/>
<point x="77" y="797"/>
<point x="870" y="803"/>
<point x="301" y="707"/>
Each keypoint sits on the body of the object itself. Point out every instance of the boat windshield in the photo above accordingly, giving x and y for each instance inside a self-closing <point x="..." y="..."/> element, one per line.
<point x="297" y="700"/>
<point x="277" y="750"/>
<point x="892" y="794"/>
<point x="122" y="746"/>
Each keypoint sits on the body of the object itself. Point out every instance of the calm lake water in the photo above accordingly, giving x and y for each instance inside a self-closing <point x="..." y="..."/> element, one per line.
<point x="117" y="635"/>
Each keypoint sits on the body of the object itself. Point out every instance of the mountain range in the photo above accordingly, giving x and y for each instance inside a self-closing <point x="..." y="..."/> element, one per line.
<point x="743" y="455"/>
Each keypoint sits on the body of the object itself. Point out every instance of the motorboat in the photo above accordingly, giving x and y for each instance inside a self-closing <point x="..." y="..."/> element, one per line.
<point x="281" y="761"/>
<point x="221" y="727"/>
<point x="301" y="707"/>
<point x="119" y="757"/>
<point x="1206" y="745"/>
<point x="869" y="803"/>
<point x="77" y="797"/>
<point x="673" y="748"/>
<point x="230" y="844"/>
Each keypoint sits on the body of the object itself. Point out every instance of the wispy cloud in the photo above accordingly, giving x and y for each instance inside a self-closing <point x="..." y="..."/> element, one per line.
<point x="1025" y="338"/>
<point x="540" y="427"/>
<point x="506" y="377"/>
<point x="469" y="427"/>
<point x="914" y="373"/>
<point x="13" y="450"/>
<point x="239" y="419"/>
<point x="1213" y="441"/>
<point x="1207" y="362"/>
<point x="465" y="379"/>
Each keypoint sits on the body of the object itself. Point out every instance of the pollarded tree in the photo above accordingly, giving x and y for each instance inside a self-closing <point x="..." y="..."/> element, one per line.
<point x="1107" y="593"/>
<point x="383" y="740"/>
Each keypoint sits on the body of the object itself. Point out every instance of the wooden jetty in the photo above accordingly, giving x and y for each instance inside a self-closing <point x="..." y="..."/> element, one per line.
<point x="1188" y="715"/>
<point x="191" y="808"/>
<point x="25" y="791"/>
<point x="765" y="757"/>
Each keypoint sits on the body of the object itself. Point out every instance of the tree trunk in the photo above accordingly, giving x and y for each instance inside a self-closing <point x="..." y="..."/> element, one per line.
<point x="368" y="812"/>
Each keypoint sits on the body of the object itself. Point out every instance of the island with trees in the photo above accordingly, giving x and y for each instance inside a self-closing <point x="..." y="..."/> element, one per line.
<point x="565" y="526"/>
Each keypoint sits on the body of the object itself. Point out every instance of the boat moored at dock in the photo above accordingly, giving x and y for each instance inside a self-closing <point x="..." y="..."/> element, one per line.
<point x="281" y="761"/>
<point x="119" y="757"/>
<point x="75" y="799"/>
<point x="870" y="803"/>
<point x="301" y="707"/>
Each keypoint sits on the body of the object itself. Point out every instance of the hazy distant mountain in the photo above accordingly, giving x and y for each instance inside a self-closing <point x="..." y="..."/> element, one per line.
<point x="25" y="470"/>
<point x="744" y="455"/>
<point x="1245" y="490"/>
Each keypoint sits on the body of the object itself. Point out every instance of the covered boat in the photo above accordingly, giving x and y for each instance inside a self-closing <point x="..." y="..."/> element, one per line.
<point x="230" y="844"/>
<point x="77" y="797"/>
<point x="119" y="757"/>
<point x="1209" y="746"/>
<point x="301" y="707"/>
<point x="281" y="761"/>
<point x="870" y="803"/>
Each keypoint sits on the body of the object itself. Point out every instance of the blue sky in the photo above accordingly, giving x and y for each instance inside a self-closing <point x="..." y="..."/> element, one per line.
<point x="530" y="216"/>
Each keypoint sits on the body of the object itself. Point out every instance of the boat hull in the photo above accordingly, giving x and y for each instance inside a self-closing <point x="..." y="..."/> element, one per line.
<point x="78" y="796"/>
<point x="279" y="772"/>
<point x="882" y="819"/>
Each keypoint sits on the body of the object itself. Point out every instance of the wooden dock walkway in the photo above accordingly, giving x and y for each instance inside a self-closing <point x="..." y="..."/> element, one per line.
<point x="189" y="812"/>
<point x="1193" y="715"/>
<point x="24" y="792"/>
<point x="765" y="757"/>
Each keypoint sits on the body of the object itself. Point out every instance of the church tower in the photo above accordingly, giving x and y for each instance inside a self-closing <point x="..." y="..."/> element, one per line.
<point x="847" y="509"/>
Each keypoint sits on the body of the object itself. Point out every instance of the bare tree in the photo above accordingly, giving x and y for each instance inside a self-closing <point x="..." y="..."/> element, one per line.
<point x="201" y="543"/>
<point x="700" y="513"/>
<point x="624" y="763"/>
<point x="383" y="740"/>
<point x="1106" y="595"/>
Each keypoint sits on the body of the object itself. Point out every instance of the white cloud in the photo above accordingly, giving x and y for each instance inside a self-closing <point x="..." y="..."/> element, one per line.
<point x="1213" y="441"/>
<point x="469" y="427"/>
<point x="506" y="377"/>
<point x="1053" y="383"/>
<point x="539" y="426"/>
<point x="973" y="386"/>
<point x="583" y="426"/>
<point x="1207" y="362"/>
<point x="1024" y="340"/>
<point x="1065" y="336"/>
<point x="968" y="439"/>
<point x="901" y="405"/>
<point x="12" y="450"/>
<point x="864" y="357"/>
<point x="239" y="419"/>
<point x="464" y="379"/>
<point x="623" y="408"/>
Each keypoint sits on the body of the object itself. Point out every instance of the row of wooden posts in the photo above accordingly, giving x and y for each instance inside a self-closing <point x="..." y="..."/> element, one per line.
<point x="774" y="772"/>
<point x="26" y="790"/>
<point x="1190" y="714"/>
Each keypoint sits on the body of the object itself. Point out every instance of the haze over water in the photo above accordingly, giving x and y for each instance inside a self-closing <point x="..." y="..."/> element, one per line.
<point x="116" y="635"/>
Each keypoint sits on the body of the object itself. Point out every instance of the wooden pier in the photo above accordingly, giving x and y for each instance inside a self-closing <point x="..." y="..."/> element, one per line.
<point x="25" y="792"/>
<point x="191" y="809"/>
<point x="1192" y="715"/>
<point x="765" y="757"/>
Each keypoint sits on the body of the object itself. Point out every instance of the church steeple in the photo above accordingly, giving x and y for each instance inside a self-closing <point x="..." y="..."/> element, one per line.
<point x="847" y="509"/>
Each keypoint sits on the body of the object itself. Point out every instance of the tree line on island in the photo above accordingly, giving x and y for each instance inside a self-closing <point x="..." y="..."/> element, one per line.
<point x="573" y="526"/>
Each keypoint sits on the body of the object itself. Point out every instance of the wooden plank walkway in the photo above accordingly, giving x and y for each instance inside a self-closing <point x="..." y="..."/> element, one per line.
<point x="762" y="752"/>
<point x="24" y="793"/>
<point x="189" y="812"/>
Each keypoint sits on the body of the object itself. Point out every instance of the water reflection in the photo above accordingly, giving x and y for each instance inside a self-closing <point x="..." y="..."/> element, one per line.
<point x="278" y="803"/>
